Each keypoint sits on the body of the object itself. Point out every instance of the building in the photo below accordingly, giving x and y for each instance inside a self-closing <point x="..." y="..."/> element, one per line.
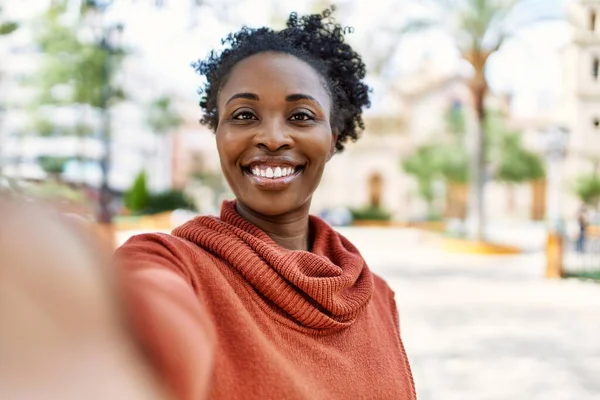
<point x="580" y="110"/>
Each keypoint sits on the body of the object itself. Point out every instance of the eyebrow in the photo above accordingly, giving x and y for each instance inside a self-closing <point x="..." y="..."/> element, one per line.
<point x="244" y="95"/>
<point x="301" y="96"/>
<point x="290" y="98"/>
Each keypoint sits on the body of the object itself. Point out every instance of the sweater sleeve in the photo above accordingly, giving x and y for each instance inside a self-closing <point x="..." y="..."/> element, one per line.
<point x="166" y="314"/>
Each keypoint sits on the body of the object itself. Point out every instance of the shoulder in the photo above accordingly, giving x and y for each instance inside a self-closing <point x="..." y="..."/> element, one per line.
<point x="152" y="244"/>
<point x="159" y="250"/>
<point x="382" y="289"/>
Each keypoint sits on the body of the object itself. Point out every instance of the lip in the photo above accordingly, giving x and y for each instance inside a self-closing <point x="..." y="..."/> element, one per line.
<point x="271" y="161"/>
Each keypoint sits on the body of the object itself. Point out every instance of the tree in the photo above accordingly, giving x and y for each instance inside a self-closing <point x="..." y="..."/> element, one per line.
<point x="587" y="188"/>
<point x="423" y="164"/>
<point x="137" y="197"/>
<point x="515" y="164"/>
<point x="453" y="156"/>
<point x="77" y="74"/>
<point x="53" y="166"/>
<point x="480" y="28"/>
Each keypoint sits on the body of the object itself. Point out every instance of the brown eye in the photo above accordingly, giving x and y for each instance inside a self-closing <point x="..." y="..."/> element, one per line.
<point x="302" y="117"/>
<point x="243" y="116"/>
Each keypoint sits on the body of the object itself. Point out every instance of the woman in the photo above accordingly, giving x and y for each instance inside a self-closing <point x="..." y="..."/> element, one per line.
<point x="267" y="302"/>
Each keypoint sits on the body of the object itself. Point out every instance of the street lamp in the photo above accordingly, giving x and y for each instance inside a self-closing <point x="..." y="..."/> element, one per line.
<point x="556" y="148"/>
<point x="105" y="212"/>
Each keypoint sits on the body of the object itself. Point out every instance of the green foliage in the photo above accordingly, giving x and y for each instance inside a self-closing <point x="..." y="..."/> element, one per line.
<point x="453" y="163"/>
<point x="593" y="275"/>
<point x="167" y="201"/>
<point x="54" y="191"/>
<point x="370" y="213"/>
<point x="83" y="68"/>
<point x="423" y="165"/>
<point x="7" y="28"/>
<point x="43" y="127"/>
<point x="137" y="197"/>
<point x="162" y="117"/>
<point x="456" y="122"/>
<point x="139" y="200"/>
<point x="505" y="150"/>
<point x="53" y="165"/>
<point x="433" y="162"/>
<point x="517" y="164"/>
<point x="587" y="188"/>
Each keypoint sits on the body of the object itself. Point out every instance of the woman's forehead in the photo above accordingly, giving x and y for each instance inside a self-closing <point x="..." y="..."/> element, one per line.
<point x="274" y="74"/>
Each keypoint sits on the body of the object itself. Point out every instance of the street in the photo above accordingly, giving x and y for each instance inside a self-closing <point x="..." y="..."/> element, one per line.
<point x="488" y="327"/>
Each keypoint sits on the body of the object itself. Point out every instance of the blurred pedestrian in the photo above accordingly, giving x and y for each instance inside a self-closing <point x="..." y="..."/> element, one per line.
<point x="582" y="222"/>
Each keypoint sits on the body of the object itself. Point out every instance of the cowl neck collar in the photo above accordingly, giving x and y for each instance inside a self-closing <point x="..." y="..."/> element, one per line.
<point x="324" y="289"/>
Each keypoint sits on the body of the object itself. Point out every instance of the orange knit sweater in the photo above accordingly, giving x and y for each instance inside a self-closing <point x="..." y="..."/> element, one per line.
<point x="226" y="313"/>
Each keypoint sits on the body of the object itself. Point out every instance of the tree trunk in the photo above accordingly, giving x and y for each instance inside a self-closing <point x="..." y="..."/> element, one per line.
<point x="476" y="204"/>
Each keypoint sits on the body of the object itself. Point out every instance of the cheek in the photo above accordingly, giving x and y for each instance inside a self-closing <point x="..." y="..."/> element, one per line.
<point x="227" y="147"/>
<point x="321" y="147"/>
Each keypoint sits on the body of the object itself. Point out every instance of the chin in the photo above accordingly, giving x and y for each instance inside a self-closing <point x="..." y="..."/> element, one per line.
<point x="273" y="206"/>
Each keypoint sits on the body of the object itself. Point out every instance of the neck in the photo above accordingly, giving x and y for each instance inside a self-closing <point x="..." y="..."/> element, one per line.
<point x="290" y="230"/>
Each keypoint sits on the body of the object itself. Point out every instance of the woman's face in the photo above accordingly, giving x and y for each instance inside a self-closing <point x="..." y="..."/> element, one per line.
<point x="274" y="134"/>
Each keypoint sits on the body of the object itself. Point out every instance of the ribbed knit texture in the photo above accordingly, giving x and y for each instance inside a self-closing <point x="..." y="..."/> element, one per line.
<point x="325" y="289"/>
<point x="226" y="313"/>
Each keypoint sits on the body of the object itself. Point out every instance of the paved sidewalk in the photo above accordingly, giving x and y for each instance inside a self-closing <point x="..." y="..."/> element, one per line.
<point x="488" y="327"/>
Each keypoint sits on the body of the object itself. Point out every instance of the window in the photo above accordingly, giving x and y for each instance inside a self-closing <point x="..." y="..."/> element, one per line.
<point x="593" y="16"/>
<point x="595" y="67"/>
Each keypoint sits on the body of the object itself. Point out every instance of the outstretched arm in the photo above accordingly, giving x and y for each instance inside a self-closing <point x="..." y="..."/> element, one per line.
<point x="61" y="331"/>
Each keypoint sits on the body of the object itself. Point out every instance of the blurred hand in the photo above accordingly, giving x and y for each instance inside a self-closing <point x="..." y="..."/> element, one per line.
<point x="61" y="334"/>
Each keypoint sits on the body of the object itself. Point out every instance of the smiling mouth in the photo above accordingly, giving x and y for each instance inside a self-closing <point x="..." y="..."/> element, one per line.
<point x="272" y="177"/>
<point x="273" y="171"/>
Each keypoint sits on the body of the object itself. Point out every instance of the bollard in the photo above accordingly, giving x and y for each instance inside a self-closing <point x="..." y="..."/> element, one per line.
<point x="554" y="256"/>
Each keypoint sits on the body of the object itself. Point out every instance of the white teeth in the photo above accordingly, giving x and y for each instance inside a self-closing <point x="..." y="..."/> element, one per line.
<point x="272" y="172"/>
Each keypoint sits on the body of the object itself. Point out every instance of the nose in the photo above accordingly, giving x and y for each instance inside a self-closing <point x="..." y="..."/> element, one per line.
<point x="273" y="136"/>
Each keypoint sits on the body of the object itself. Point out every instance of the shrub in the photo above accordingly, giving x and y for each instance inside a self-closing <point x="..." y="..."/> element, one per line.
<point x="167" y="201"/>
<point x="137" y="197"/>
<point x="371" y="213"/>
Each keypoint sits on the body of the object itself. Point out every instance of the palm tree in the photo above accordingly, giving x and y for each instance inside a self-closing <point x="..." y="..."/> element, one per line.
<point x="479" y="29"/>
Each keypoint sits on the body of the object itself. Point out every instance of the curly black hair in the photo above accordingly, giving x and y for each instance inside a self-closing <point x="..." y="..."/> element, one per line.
<point x="315" y="39"/>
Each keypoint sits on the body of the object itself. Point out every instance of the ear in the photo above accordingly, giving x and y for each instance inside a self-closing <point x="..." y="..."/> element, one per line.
<point x="332" y="148"/>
